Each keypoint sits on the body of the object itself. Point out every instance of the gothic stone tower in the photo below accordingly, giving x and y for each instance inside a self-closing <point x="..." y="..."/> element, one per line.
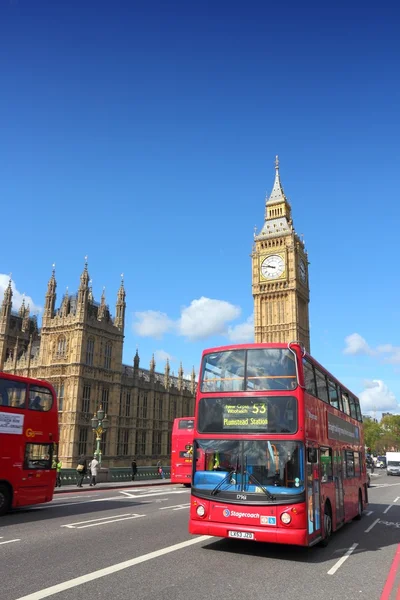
<point x="280" y="275"/>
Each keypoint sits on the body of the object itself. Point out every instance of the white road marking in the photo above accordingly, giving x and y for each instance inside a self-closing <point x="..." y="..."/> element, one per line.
<point x="387" y="509"/>
<point x="395" y="500"/>
<point x="175" y="507"/>
<point x="103" y="521"/>
<point x="67" y="585"/>
<point x="339" y="563"/>
<point x="371" y="526"/>
<point x="376" y="485"/>
<point x="73" y="497"/>
<point x="368" y="513"/>
<point x="10" y="541"/>
<point x="152" y="494"/>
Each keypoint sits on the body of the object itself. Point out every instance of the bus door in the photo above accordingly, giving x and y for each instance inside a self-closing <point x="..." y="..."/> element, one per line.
<point x="313" y="492"/>
<point x="37" y="473"/>
<point x="338" y="479"/>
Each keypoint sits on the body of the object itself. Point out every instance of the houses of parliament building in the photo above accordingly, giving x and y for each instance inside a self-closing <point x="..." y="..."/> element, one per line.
<point x="78" y="349"/>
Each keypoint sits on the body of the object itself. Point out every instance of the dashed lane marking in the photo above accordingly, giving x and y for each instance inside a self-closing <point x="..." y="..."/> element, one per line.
<point x="103" y="521"/>
<point x="371" y="526"/>
<point x="368" y="513"/>
<point x="175" y="507"/>
<point x="339" y="563"/>
<point x="10" y="541"/>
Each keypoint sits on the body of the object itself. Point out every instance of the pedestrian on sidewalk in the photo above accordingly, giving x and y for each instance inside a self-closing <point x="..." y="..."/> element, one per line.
<point x="160" y="470"/>
<point x="134" y="469"/>
<point x="58" y="469"/>
<point x="94" y="470"/>
<point x="81" y="470"/>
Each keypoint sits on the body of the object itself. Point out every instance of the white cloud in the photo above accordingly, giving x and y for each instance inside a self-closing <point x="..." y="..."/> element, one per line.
<point x="242" y="333"/>
<point x="161" y="356"/>
<point x="393" y="351"/>
<point x="377" y="397"/>
<point x="355" y="344"/>
<point x="203" y="318"/>
<point x="17" y="295"/>
<point x="151" y="323"/>
<point x="206" y="317"/>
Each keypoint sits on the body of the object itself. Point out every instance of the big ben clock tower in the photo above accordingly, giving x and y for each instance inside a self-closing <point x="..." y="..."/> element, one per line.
<point x="280" y="275"/>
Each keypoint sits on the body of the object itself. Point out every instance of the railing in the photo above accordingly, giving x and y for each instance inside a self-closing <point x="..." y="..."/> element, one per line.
<point x="116" y="474"/>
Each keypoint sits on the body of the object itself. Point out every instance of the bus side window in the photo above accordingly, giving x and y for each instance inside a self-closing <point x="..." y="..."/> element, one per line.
<point x="309" y="378"/>
<point x="345" y="402"/>
<point x="358" y="409"/>
<point x="321" y="386"/>
<point x="333" y="394"/>
<point x="353" y="412"/>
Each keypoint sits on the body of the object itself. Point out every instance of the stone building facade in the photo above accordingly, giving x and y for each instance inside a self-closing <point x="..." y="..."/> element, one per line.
<point x="78" y="349"/>
<point x="280" y="275"/>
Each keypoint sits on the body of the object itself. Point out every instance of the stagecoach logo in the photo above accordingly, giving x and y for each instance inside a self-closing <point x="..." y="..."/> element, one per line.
<point x="31" y="434"/>
<point x="239" y="515"/>
<point x="311" y="415"/>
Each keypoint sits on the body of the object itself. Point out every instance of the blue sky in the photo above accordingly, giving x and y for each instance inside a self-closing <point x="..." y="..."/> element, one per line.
<point x="144" y="136"/>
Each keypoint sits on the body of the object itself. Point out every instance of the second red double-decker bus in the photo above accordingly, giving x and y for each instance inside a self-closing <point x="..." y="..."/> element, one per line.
<point x="182" y="450"/>
<point x="28" y="441"/>
<point x="278" y="447"/>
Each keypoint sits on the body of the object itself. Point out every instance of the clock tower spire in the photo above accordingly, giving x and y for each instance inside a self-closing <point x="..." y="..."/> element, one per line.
<point x="280" y="274"/>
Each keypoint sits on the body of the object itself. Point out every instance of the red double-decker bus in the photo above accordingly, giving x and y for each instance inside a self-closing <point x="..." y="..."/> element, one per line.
<point x="278" y="447"/>
<point x="182" y="450"/>
<point x="28" y="441"/>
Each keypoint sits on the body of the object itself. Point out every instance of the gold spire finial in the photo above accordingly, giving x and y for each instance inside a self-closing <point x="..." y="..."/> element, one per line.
<point x="277" y="162"/>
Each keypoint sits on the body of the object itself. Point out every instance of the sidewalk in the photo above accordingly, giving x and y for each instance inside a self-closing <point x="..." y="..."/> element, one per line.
<point x="114" y="485"/>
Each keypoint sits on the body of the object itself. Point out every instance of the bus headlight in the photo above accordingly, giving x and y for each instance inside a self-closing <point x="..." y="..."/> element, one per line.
<point x="286" y="518"/>
<point x="201" y="511"/>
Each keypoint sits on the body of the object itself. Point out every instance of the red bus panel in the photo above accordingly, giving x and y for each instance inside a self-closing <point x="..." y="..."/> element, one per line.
<point x="182" y="450"/>
<point x="28" y="441"/>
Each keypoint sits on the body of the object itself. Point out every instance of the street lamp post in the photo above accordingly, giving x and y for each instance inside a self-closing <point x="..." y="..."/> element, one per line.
<point x="100" y="424"/>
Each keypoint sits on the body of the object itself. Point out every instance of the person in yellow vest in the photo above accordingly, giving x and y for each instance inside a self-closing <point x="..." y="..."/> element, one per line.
<point x="58" y="468"/>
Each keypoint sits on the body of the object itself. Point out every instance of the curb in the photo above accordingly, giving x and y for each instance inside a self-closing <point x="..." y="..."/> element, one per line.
<point x="75" y="490"/>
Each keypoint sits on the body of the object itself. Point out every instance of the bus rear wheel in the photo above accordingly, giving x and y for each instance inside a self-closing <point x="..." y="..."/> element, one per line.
<point x="5" y="500"/>
<point x="327" y="526"/>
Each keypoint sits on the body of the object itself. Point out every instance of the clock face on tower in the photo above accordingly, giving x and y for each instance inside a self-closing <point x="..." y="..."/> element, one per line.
<point x="302" y="270"/>
<point x="273" y="266"/>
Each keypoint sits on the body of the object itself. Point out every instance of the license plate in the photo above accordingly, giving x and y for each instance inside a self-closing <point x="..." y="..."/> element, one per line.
<point x="241" y="534"/>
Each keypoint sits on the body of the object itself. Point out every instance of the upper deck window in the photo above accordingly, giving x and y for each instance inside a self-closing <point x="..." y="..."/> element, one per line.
<point x="12" y="393"/>
<point x="40" y="398"/>
<point x="249" y="370"/>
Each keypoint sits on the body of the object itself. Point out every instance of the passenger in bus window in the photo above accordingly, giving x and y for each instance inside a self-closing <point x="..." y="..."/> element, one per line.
<point x="36" y="403"/>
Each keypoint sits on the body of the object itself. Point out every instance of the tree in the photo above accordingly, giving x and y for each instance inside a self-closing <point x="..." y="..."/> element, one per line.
<point x="372" y="434"/>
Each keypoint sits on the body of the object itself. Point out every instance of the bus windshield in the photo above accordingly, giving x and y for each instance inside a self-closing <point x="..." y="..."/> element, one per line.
<point x="243" y="414"/>
<point x="247" y="370"/>
<point x="259" y="467"/>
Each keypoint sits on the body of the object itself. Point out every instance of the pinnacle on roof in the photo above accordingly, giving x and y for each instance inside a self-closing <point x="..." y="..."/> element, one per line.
<point x="277" y="194"/>
<point x="85" y="276"/>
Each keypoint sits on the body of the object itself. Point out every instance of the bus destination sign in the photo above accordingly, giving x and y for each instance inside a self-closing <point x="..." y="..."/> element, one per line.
<point x="252" y="415"/>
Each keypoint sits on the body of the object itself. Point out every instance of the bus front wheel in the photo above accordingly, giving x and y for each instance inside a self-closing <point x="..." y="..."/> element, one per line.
<point x="360" y="507"/>
<point x="5" y="500"/>
<point x="327" y="526"/>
